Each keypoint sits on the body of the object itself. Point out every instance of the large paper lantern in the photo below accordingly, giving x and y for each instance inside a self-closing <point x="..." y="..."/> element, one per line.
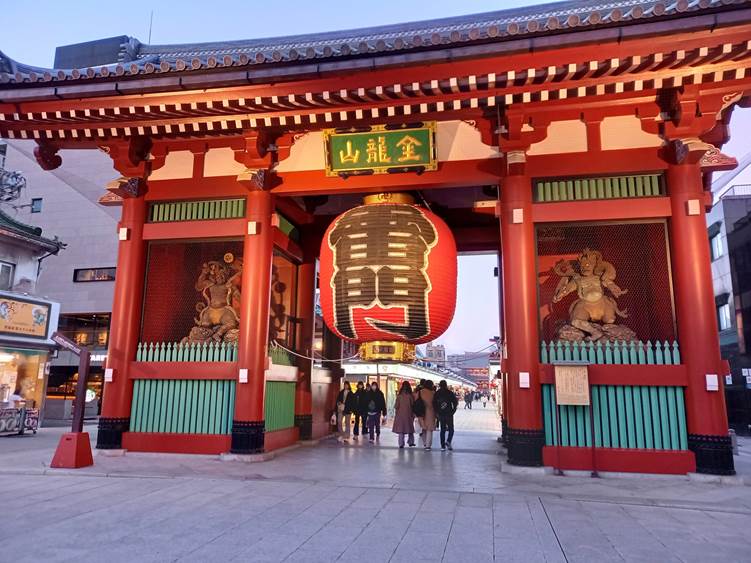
<point x="388" y="274"/>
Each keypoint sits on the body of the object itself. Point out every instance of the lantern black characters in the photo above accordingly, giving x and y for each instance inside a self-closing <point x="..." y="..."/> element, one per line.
<point x="388" y="273"/>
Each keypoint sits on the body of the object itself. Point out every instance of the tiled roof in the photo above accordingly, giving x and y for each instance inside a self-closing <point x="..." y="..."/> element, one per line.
<point x="136" y="58"/>
<point x="27" y="232"/>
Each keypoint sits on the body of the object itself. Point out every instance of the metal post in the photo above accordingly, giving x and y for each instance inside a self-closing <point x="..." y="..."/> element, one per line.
<point x="79" y="403"/>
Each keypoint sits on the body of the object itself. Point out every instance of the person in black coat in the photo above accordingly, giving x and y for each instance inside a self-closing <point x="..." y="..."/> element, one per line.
<point x="360" y="412"/>
<point x="375" y="404"/>
<point x="345" y="406"/>
<point x="445" y="404"/>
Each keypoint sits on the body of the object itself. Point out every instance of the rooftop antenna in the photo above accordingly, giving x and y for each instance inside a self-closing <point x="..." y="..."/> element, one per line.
<point x="151" y="23"/>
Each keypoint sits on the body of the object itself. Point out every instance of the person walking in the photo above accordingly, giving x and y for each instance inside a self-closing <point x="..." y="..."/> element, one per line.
<point x="376" y="406"/>
<point x="484" y="400"/>
<point x="360" y="413"/>
<point x="425" y="395"/>
<point x="445" y="404"/>
<point x="404" y="418"/>
<point x="345" y="404"/>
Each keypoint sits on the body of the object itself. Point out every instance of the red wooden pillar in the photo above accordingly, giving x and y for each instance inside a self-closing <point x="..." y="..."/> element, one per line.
<point x="524" y="435"/>
<point x="697" y="321"/>
<point x="248" y="426"/>
<point x="125" y="324"/>
<point x="306" y="280"/>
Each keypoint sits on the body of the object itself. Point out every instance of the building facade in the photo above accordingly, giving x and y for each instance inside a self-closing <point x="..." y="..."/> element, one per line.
<point x="65" y="201"/>
<point x="576" y="139"/>
<point x="730" y="247"/>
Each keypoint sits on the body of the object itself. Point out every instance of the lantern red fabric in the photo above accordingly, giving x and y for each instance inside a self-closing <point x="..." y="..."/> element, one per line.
<point x="388" y="272"/>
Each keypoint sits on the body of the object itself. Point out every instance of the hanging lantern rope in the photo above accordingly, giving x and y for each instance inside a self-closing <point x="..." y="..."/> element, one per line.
<point x="275" y="344"/>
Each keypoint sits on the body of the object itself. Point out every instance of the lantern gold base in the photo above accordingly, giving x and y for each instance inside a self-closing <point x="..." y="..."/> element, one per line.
<point x="387" y="351"/>
<point x="388" y="197"/>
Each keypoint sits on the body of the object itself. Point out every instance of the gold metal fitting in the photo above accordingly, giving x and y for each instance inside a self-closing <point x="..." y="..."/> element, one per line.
<point x="387" y="350"/>
<point x="388" y="197"/>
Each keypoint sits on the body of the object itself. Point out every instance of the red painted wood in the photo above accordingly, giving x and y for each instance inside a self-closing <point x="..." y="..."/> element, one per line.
<point x="190" y="189"/>
<point x="694" y="302"/>
<point x="607" y="163"/>
<point x="306" y="283"/>
<point x="280" y="438"/>
<point x="126" y="310"/>
<point x="207" y="444"/>
<point x="451" y="174"/>
<point x="215" y="228"/>
<point x="671" y="462"/>
<point x="287" y="246"/>
<point x="602" y="210"/>
<point x="254" y="314"/>
<point x="183" y="370"/>
<point x="601" y="374"/>
<point x="520" y="303"/>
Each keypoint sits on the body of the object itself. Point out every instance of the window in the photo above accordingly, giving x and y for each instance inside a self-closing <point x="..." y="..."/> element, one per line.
<point x="36" y="205"/>
<point x="94" y="274"/>
<point x="7" y="271"/>
<point x="718" y="249"/>
<point x="86" y="329"/>
<point x="723" y="312"/>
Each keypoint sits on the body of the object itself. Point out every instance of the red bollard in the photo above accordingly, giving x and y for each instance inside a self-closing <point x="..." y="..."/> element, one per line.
<point x="73" y="451"/>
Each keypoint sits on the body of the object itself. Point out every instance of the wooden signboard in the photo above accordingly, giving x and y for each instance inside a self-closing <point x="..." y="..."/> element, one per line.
<point x="380" y="149"/>
<point x="571" y="385"/>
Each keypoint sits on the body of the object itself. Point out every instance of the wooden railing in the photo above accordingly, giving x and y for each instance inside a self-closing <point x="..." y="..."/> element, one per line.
<point x="197" y="210"/>
<point x="581" y="189"/>
<point x="186" y="352"/>
<point x="637" y="352"/>
<point x="625" y="416"/>
<point x="182" y="406"/>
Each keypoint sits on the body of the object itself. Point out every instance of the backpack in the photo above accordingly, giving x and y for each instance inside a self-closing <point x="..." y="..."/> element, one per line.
<point x="418" y="407"/>
<point x="444" y="407"/>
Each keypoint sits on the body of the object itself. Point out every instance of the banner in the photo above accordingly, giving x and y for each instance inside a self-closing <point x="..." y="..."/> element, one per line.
<point x="19" y="317"/>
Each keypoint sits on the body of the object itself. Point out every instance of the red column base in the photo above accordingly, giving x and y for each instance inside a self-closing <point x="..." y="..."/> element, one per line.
<point x="73" y="451"/>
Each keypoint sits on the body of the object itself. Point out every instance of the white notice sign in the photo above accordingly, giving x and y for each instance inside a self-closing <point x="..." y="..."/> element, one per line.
<point x="571" y="385"/>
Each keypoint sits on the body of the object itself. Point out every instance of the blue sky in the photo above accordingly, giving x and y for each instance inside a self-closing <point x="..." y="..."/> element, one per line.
<point x="32" y="29"/>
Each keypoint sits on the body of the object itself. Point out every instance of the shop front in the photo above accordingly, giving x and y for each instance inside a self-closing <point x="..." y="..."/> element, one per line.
<point x="26" y="325"/>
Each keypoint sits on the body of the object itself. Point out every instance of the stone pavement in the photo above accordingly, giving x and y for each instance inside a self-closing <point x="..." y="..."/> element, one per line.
<point x="356" y="503"/>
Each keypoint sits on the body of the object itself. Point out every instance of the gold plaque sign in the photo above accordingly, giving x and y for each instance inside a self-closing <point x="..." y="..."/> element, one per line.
<point x="19" y="317"/>
<point x="571" y="385"/>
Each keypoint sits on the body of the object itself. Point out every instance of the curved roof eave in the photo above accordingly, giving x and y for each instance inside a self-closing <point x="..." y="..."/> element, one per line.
<point x="137" y="58"/>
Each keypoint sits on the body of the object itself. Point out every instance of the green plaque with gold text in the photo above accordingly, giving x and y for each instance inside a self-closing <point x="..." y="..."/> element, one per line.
<point x="380" y="150"/>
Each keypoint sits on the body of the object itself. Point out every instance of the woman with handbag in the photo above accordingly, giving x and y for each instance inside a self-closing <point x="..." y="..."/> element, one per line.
<point x="345" y="404"/>
<point x="404" y="418"/>
<point x="425" y="397"/>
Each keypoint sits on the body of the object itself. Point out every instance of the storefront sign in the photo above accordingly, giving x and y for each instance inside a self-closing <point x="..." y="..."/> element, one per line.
<point x="571" y="385"/>
<point x="22" y="317"/>
<point x="380" y="150"/>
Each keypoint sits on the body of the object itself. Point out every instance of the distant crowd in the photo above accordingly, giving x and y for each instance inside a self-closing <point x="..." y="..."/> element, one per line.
<point x="417" y="412"/>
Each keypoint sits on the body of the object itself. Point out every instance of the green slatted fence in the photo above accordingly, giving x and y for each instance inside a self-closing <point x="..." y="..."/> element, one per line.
<point x="187" y="352"/>
<point x="280" y="356"/>
<point x="197" y="210"/>
<point x="579" y="189"/>
<point x="279" y="405"/>
<point x="625" y="416"/>
<point x="182" y="406"/>
<point x="637" y="352"/>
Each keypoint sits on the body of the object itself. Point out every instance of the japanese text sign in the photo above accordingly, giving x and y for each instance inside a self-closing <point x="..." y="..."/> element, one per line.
<point x="21" y="317"/>
<point x="571" y="385"/>
<point x="379" y="150"/>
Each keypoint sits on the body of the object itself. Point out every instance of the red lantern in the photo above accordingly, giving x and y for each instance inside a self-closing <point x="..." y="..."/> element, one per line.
<point x="388" y="273"/>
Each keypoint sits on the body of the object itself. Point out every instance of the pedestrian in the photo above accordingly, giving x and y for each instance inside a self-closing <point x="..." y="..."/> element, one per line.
<point x="418" y="412"/>
<point x="360" y="413"/>
<point x="376" y="406"/>
<point x="445" y="404"/>
<point x="484" y="400"/>
<point x="345" y="404"/>
<point x="425" y="396"/>
<point x="404" y="418"/>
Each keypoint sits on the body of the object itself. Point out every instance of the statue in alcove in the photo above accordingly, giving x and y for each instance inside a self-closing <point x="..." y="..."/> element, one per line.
<point x="277" y="310"/>
<point x="592" y="317"/>
<point x="218" y="313"/>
